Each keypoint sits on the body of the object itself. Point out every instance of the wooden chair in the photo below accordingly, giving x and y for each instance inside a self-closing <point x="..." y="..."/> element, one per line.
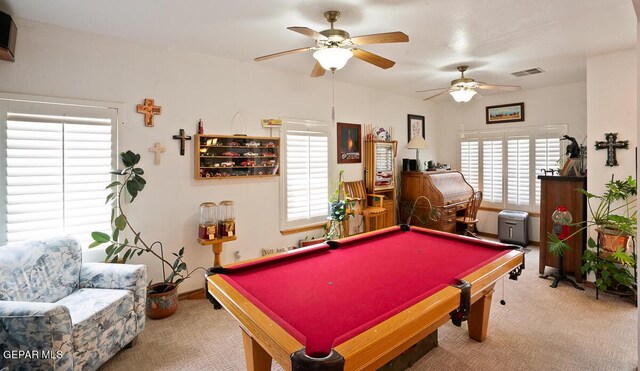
<point x="370" y="206"/>
<point x="470" y="216"/>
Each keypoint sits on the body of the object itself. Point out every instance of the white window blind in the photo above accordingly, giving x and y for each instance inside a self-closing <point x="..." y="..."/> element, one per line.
<point x="306" y="172"/>
<point x="492" y="170"/>
<point x="547" y="154"/>
<point x="469" y="161"/>
<point x="518" y="176"/>
<point x="57" y="167"/>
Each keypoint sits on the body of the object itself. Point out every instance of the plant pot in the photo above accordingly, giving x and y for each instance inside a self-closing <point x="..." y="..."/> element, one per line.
<point x="611" y="240"/>
<point x="162" y="301"/>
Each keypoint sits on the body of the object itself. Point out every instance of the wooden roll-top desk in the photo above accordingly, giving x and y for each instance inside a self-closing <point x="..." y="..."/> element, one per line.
<point x="447" y="191"/>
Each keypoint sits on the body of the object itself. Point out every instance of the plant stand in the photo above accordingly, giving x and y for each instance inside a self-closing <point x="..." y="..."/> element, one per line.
<point x="216" y="247"/>
<point x="560" y="276"/>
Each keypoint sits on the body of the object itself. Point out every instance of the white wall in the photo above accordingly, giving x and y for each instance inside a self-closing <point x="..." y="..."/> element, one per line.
<point x="52" y="61"/>
<point x="563" y="104"/>
<point x="611" y="108"/>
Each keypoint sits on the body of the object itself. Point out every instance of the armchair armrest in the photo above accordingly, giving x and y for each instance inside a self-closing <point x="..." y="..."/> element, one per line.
<point x="132" y="277"/>
<point x="377" y="199"/>
<point x="35" y="327"/>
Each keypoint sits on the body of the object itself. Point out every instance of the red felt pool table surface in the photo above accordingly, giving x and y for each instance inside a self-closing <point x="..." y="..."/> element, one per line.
<point x="323" y="297"/>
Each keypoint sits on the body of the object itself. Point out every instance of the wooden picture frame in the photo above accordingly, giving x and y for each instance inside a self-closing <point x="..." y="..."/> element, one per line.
<point x="415" y="126"/>
<point x="349" y="143"/>
<point x="502" y="113"/>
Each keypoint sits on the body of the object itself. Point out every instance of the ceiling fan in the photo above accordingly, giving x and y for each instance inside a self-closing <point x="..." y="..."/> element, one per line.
<point x="464" y="88"/>
<point x="334" y="47"/>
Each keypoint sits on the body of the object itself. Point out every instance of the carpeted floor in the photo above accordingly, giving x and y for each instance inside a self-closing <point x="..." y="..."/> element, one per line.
<point x="540" y="328"/>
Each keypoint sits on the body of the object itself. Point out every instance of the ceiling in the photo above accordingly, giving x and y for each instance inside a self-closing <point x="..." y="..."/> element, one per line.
<point x="494" y="37"/>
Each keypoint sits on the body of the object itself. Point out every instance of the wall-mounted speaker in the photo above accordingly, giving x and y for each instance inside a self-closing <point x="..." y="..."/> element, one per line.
<point x="8" y="33"/>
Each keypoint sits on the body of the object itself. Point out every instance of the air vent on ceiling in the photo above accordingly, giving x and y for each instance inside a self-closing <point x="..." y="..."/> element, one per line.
<point x="531" y="71"/>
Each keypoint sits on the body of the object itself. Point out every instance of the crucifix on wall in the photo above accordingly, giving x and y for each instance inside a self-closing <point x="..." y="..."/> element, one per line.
<point x="158" y="149"/>
<point x="148" y="109"/>
<point x="182" y="139"/>
<point x="611" y="144"/>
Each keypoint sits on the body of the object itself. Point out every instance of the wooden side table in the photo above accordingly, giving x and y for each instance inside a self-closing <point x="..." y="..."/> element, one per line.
<point x="216" y="247"/>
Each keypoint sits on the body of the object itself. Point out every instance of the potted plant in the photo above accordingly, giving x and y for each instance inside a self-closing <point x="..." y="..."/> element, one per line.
<point x="614" y="216"/>
<point x="162" y="297"/>
<point x="339" y="211"/>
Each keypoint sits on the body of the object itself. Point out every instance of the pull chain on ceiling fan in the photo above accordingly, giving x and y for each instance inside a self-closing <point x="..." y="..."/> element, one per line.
<point x="334" y="47"/>
<point x="463" y="89"/>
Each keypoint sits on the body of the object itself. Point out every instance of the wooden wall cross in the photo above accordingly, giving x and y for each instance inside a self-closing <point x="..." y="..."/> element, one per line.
<point x="611" y="145"/>
<point x="182" y="139"/>
<point x="158" y="149"/>
<point x="148" y="109"/>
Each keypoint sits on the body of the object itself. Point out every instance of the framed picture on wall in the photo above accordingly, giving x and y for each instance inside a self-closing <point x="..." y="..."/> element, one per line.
<point x="415" y="126"/>
<point x="505" y="113"/>
<point x="349" y="143"/>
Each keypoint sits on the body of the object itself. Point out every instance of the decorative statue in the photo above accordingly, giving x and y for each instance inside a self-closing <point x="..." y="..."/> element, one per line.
<point x="573" y="148"/>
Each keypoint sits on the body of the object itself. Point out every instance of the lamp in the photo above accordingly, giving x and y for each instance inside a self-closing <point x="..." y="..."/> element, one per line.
<point x="417" y="143"/>
<point x="462" y="95"/>
<point x="332" y="58"/>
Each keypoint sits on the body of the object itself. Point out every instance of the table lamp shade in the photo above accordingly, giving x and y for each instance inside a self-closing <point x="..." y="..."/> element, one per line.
<point x="417" y="143"/>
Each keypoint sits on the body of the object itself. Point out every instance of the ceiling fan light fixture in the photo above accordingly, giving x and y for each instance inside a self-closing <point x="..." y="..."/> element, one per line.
<point x="462" y="95"/>
<point x="332" y="58"/>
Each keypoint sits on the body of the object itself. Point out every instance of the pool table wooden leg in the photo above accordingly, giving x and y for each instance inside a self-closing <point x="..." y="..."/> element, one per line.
<point x="479" y="317"/>
<point x="257" y="358"/>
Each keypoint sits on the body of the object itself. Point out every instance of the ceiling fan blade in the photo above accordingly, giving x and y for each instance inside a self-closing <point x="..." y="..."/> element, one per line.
<point x="317" y="70"/>
<point x="437" y="95"/>
<point x="380" y="38"/>
<point x="498" y="87"/>
<point x="308" y="32"/>
<point x="424" y="91"/>
<point x="292" y="51"/>
<point x="374" y="59"/>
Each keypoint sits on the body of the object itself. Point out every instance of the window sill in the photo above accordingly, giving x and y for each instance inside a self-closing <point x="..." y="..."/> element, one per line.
<point x="534" y="214"/>
<point x="302" y="229"/>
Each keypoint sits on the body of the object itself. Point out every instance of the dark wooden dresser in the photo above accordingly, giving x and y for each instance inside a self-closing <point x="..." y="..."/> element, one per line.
<point x="563" y="191"/>
<point x="447" y="191"/>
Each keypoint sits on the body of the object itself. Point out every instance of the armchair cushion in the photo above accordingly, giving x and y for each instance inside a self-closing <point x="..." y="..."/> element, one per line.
<point x="40" y="270"/>
<point x="36" y="326"/>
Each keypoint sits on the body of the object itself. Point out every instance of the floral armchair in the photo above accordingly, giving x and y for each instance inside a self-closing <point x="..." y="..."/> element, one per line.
<point x="57" y="313"/>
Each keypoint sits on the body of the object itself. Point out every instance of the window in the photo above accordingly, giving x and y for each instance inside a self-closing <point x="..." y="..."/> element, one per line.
<point x="506" y="167"/>
<point x="305" y="187"/>
<point x="518" y="176"/>
<point x="469" y="160"/>
<point x="57" y="162"/>
<point x="492" y="170"/>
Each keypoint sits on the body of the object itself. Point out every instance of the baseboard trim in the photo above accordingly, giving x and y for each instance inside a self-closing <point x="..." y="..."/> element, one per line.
<point x="491" y="235"/>
<point x="193" y="294"/>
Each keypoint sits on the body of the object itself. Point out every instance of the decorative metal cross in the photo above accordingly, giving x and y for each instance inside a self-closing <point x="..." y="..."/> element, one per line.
<point x="611" y="145"/>
<point x="158" y="149"/>
<point x="148" y="109"/>
<point x="182" y="138"/>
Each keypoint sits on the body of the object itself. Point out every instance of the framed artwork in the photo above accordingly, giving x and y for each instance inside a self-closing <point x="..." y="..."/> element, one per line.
<point x="505" y="113"/>
<point x="415" y="126"/>
<point x="349" y="143"/>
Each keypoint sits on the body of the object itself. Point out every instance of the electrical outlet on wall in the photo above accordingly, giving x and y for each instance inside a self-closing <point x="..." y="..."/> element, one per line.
<point x="236" y="255"/>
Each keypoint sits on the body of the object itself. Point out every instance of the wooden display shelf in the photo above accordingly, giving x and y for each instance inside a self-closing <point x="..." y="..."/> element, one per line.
<point x="216" y="247"/>
<point x="209" y="151"/>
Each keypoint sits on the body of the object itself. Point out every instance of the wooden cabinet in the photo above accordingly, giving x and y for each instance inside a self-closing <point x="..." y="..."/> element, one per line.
<point x="563" y="191"/>
<point x="228" y="156"/>
<point x="448" y="193"/>
<point x="380" y="175"/>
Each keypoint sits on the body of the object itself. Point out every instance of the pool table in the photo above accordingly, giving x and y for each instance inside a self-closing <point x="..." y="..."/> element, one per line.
<point x="358" y="302"/>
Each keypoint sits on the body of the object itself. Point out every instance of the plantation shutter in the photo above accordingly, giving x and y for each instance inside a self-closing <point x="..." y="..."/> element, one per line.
<point x="58" y="162"/>
<point x="547" y="155"/>
<point x="469" y="161"/>
<point x="518" y="176"/>
<point x="306" y="173"/>
<point x="492" y="170"/>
